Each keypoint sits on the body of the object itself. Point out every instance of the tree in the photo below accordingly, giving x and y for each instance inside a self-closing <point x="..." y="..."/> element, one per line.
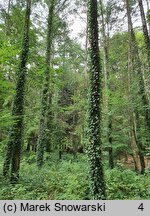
<point x="42" y="133"/>
<point x="145" y="31"/>
<point x="16" y="131"/>
<point x="133" y="65"/>
<point x="95" y="104"/>
<point x="105" y="37"/>
<point x="148" y="16"/>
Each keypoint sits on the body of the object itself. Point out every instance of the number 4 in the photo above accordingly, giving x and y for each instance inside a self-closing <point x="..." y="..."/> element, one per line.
<point x="141" y="207"/>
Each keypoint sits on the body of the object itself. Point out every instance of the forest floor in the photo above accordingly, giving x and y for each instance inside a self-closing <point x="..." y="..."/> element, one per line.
<point x="67" y="179"/>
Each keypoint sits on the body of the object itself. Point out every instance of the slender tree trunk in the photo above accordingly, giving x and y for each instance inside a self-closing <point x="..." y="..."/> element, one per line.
<point x="49" y="129"/>
<point x="41" y="144"/>
<point x="135" y="155"/>
<point x="134" y="63"/>
<point x="95" y="116"/>
<point x="15" y="137"/>
<point x="148" y="8"/>
<point x="111" y="158"/>
<point x="139" y="144"/>
<point x="107" y="86"/>
<point x="86" y="56"/>
<point x="8" y="27"/>
<point x="145" y="31"/>
<point x="147" y="46"/>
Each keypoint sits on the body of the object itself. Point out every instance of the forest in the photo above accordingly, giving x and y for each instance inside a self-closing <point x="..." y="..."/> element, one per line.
<point x="74" y="99"/>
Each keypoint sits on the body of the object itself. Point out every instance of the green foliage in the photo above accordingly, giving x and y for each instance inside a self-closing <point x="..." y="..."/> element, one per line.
<point x="68" y="180"/>
<point x="51" y="182"/>
<point x="148" y="16"/>
<point x="126" y="184"/>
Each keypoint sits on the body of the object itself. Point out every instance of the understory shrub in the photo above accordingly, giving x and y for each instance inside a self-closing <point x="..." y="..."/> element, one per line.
<point x="67" y="179"/>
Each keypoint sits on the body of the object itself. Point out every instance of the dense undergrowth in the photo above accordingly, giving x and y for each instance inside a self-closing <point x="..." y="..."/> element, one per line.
<point x="68" y="180"/>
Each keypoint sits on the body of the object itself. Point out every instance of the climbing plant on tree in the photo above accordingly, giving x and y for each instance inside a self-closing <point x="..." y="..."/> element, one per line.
<point x="16" y="131"/>
<point x="95" y="104"/>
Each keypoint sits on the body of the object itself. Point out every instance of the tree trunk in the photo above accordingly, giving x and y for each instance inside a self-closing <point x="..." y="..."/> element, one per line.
<point x="95" y="116"/>
<point x="147" y="45"/>
<point x="15" y="137"/>
<point x="107" y="86"/>
<point x="48" y="124"/>
<point x="148" y="8"/>
<point x="86" y="56"/>
<point x="133" y="144"/>
<point x="134" y="63"/>
<point x="111" y="158"/>
<point x="139" y="144"/>
<point x="8" y="26"/>
<point x="145" y="31"/>
<point x="41" y="144"/>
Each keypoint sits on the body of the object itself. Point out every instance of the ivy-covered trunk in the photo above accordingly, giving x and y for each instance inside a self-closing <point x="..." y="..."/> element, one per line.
<point x="95" y="104"/>
<point x="41" y="144"/>
<point x="16" y="131"/>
